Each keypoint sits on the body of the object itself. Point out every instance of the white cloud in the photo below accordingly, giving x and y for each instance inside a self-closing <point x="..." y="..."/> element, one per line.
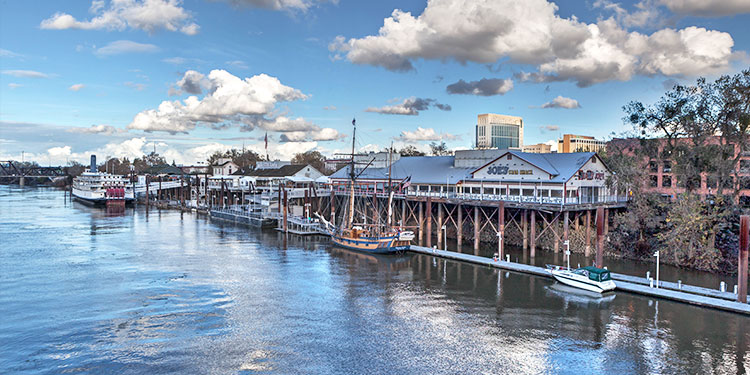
<point x="25" y="74"/>
<point x="97" y="129"/>
<point x="14" y="85"/>
<point x="192" y="82"/>
<point x="147" y="15"/>
<point x="126" y="46"/>
<point x="289" y="5"/>
<point x="553" y="144"/>
<point x="9" y="54"/>
<point x="76" y="87"/>
<point x="136" y="86"/>
<point x="424" y="134"/>
<point x="239" y="64"/>
<point x="483" y="87"/>
<point x="531" y="32"/>
<point x="707" y="8"/>
<point x="562" y="102"/>
<point x="329" y="108"/>
<point x="409" y="107"/>
<point x="230" y="99"/>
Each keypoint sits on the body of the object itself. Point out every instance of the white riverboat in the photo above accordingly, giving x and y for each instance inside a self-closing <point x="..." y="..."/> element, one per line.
<point x="590" y="278"/>
<point x="95" y="187"/>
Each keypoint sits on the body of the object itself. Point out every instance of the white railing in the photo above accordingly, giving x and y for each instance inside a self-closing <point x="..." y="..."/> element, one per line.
<point x="498" y="197"/>
<point x="154" y="186"/>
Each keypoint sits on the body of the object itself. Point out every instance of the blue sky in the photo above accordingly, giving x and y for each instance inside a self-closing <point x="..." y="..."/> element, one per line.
<point x="116" y="77"/>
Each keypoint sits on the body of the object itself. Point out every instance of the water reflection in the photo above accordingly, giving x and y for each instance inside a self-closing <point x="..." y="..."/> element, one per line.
<point x="165" y="291"/>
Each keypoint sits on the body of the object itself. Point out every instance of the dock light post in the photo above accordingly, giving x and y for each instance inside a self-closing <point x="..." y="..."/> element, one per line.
<point x="567" y="252"/>
<point x="656" y="254"/>
<point x="445" y="237"/>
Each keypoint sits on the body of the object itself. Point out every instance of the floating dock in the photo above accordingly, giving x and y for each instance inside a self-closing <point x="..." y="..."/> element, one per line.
<point x="239" y="216"/>
<point x="687" y="294"/>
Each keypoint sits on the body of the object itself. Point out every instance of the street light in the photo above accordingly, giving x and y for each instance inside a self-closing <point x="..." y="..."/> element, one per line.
<point x="567" y="252"/>
<point x="656" y="254"/>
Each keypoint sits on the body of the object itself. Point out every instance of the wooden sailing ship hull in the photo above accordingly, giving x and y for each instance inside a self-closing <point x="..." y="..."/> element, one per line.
<point x="383" y="245"/>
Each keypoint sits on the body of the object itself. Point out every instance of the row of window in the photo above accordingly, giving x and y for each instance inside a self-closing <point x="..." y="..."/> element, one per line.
<point x="712" y="182"/>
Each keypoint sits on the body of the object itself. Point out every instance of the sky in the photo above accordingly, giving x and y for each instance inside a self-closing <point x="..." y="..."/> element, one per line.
<point x="120" y="78"/>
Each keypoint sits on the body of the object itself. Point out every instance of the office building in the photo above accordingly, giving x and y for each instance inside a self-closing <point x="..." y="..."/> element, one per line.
<point x="499" y="131"/>
<point x="579" y="143"/>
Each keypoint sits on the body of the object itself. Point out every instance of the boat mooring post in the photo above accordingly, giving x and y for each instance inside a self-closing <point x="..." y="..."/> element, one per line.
<point x="428" y="217"/>
<point x="742" y="262"/>
<point x="286" y="202"/>
<point x="656" y="254"/>
<point x="532" y="251"/>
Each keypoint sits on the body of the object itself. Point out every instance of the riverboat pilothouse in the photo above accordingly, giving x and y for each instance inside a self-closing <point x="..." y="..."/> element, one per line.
<point x="94" y="187"/>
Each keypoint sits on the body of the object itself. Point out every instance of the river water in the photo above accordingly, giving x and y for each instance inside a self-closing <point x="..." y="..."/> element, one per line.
<point x="86" y="291"/>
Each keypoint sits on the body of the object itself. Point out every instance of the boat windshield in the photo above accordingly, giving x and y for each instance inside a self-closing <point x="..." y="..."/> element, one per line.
<point x="603" y="276"/>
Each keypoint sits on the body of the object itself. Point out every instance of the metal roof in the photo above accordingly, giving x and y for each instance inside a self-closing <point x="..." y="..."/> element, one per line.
<point x="422" y="169"/>
<point x="561" y="166"/>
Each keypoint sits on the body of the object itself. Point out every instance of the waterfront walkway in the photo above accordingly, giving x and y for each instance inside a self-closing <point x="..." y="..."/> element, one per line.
<point x="688" y="294"/>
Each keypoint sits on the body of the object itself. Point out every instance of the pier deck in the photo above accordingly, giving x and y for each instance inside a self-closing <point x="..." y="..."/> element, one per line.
<point x="688" y="294"/>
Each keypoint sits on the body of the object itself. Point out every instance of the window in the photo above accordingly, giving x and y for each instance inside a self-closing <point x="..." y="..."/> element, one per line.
<point x="489" y="191"/>
<point x="556" y="193"/>
<point x="666" y="181"/>
<point x="744" y="166"/>
<point x="744" y="182"/>
<point x="653" y="166"/>
<point x="513" y="191"/>
<point x="654" y="181"/>
<point x="510" y="157"/>
<point x="667" y="167"/>
<point x="528" y="192"/>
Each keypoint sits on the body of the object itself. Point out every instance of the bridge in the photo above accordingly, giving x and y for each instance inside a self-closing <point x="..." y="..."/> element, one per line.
<point x="11" y="169"/>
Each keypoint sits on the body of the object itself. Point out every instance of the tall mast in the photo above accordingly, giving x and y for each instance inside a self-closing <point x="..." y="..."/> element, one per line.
<point x="351" y="176"/>
<point x="390" y="188"/>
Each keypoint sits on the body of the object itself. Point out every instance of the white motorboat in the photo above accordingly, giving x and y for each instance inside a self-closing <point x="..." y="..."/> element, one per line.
<point x="589" y="278"/>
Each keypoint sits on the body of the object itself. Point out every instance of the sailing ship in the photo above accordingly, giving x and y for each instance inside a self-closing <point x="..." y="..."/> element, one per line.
<point x="94" y="187"/>
<point x="372" y="238"/>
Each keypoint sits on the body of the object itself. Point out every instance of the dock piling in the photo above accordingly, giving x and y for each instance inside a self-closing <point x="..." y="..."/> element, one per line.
<point x="742" y="262"/>
<point x="600" y="236"/>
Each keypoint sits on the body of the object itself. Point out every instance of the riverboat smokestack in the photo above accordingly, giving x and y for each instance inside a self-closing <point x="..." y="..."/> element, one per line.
<point x="93" y="163"/>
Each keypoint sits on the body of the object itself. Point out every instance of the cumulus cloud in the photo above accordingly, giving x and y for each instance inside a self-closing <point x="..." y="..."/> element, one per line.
<point x="25" y="74"/>
<point x="192" y="82"/>
<point x="531" y="32"/>
<point x="551" y="128"/>
<point x="97" y="129"/>
<point x="125" y="46"/>
<point x="562" y="102"/>
<point x="231" y="101"/>
<point x="707" y="8"/>
<point x="76" y="87"/>
<point x="136" y="86"/>
<point x="483" y="87"/>
<point x="329" y="108"/>
<point x="409" y="107"/>
<point x="147" y="15"/>
<point x="424" y="134"/>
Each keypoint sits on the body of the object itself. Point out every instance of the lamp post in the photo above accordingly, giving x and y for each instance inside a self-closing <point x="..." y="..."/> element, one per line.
<point x="567" y="252"/>
<point x="500" y="245"/>
<point x="656" y="254"/>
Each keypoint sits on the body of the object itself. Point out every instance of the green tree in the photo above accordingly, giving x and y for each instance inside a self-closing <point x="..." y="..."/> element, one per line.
<point x="410" y="150"/>
<point x="439" y="149"/>
<point x="313" y="158"/>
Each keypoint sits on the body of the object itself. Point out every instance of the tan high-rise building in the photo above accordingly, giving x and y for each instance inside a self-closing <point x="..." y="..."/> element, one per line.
<point x="499" y="131"/>
<point x="539" y="148"/>
<point x="579" y="143"/>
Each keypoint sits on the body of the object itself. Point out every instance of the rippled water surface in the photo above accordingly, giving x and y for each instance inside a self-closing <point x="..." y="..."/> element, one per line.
<point x="84" y="291"/>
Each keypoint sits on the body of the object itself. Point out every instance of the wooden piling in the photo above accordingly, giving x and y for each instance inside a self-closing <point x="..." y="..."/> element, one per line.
<point x="428" y="217"/>
<point x="587" y="228"/>
<point x="421" y="223"/>
<point x="600" y="237"/>
<point x="501" y="228"/>
<point x="477" y="226"/>
<point x="148" y="197"/>
<point x="332" y="218"/>
<point x="566" y="226"/>
<point x="532" y="252"/>
<point x="460" y="226"/>
<point x="286" y="203"/>
<point x="742" y="261"/>
<point x="606" y="221"/>
<point x="403" y="213"/>
<point x="440" y="226"/>
<point x="524" y="230"/>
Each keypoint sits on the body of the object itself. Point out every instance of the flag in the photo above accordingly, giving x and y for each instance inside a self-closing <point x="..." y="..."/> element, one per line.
<point x="266" y="142"/>
<point x="354" y="122"/>
<point x="405" y="183"/>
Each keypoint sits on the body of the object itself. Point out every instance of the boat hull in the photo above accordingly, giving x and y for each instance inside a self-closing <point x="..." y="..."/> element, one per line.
<point x="100" y="201"/>
<point x="590" y="286"/>
<point x="376" y="246"/>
